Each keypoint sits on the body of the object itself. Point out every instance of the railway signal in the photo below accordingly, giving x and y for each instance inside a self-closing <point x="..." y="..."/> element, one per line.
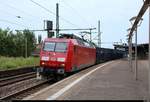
<point x="48" y="26"/>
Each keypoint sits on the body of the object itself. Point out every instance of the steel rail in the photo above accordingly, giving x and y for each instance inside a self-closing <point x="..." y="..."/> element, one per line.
<point x="24" y="89"/>
<point x="14" y="79"/>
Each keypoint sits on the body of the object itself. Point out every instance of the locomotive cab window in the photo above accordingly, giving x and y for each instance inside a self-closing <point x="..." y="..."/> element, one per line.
<point x="61" y="47"/>
<point x="49" y="46"/>
<point x="55" y="46"/>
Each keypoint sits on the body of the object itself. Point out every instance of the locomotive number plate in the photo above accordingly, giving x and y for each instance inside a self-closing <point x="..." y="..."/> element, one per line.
<point x="53" y="59"/>
<point x="44" y="58"/>
<point x="61" y="59"/>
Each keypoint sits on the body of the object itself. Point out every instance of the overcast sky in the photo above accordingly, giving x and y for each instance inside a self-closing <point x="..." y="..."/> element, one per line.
<point x="113" y="14"/>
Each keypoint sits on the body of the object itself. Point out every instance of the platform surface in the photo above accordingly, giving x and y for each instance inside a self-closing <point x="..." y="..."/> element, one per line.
<point x="113" y="80"/>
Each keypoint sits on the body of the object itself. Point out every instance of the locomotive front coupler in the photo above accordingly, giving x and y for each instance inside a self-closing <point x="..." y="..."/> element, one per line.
<point x="60" y="71"/>
<point x="39" y="70"/>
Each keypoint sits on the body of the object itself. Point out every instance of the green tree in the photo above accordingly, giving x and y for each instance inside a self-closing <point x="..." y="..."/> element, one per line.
<point x="31" y="41"/>
<point x="14" y="44"/>
<point x="19" y="44"/>
<point x="4" y="41"/>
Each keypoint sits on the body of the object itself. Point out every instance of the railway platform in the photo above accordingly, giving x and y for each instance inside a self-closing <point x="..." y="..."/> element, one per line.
<point x="113" y="80"/>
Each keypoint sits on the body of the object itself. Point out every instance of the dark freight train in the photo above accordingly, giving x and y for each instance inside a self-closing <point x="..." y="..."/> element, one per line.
<point x="105" y="54"/>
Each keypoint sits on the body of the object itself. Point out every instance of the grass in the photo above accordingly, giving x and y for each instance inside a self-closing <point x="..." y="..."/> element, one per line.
<point x="8" y="63"/>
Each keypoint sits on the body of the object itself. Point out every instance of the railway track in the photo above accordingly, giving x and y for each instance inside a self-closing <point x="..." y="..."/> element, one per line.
<point x="9" y="91"/>
<point x="20" y="86"/>
<point x="19" y="71"/>
<point x="13" y="84"/>
<point x="17" y="78"/>
<point x="17" y="86"/>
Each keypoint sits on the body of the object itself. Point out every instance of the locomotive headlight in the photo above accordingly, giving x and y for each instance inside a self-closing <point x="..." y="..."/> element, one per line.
<point x="61" y="59"/>
<point x="43" y="63"/>
<point x="62" y="65"/>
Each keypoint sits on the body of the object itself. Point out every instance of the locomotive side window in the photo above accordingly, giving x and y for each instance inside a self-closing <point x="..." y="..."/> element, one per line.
<point x="61" y="47"/>
<point x="49" y="46"/>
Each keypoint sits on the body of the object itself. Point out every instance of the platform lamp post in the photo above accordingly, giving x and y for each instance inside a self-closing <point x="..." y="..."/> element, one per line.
<point x="136" y="63"/>
<point x="129" y="53"/>
<point x="130" y="49"/>
<point x="149" y="55"/>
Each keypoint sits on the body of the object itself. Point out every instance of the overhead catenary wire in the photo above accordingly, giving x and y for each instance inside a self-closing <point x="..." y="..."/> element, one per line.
<point x="16" y="16"/>
<point x="43" y="7"/>
<point x="6" y="21"/>
<point x="53" y="13"/>
<point x="19" y="10"/>
<point x="5" y="12"/>
<point x="77" y="13"/>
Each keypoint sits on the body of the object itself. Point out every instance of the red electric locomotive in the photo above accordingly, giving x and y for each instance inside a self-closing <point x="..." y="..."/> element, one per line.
<point x="66" y="54"/>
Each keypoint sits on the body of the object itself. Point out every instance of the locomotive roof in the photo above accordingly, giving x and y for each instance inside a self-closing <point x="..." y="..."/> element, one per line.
<point x="75" y="41"/>
<point x="73" y="38"/>
<point x="79" y="40"/>
<point x="59" y="39"/>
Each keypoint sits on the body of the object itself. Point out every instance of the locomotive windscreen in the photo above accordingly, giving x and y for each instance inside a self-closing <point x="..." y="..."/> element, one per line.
<point x="55" y="46"/>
